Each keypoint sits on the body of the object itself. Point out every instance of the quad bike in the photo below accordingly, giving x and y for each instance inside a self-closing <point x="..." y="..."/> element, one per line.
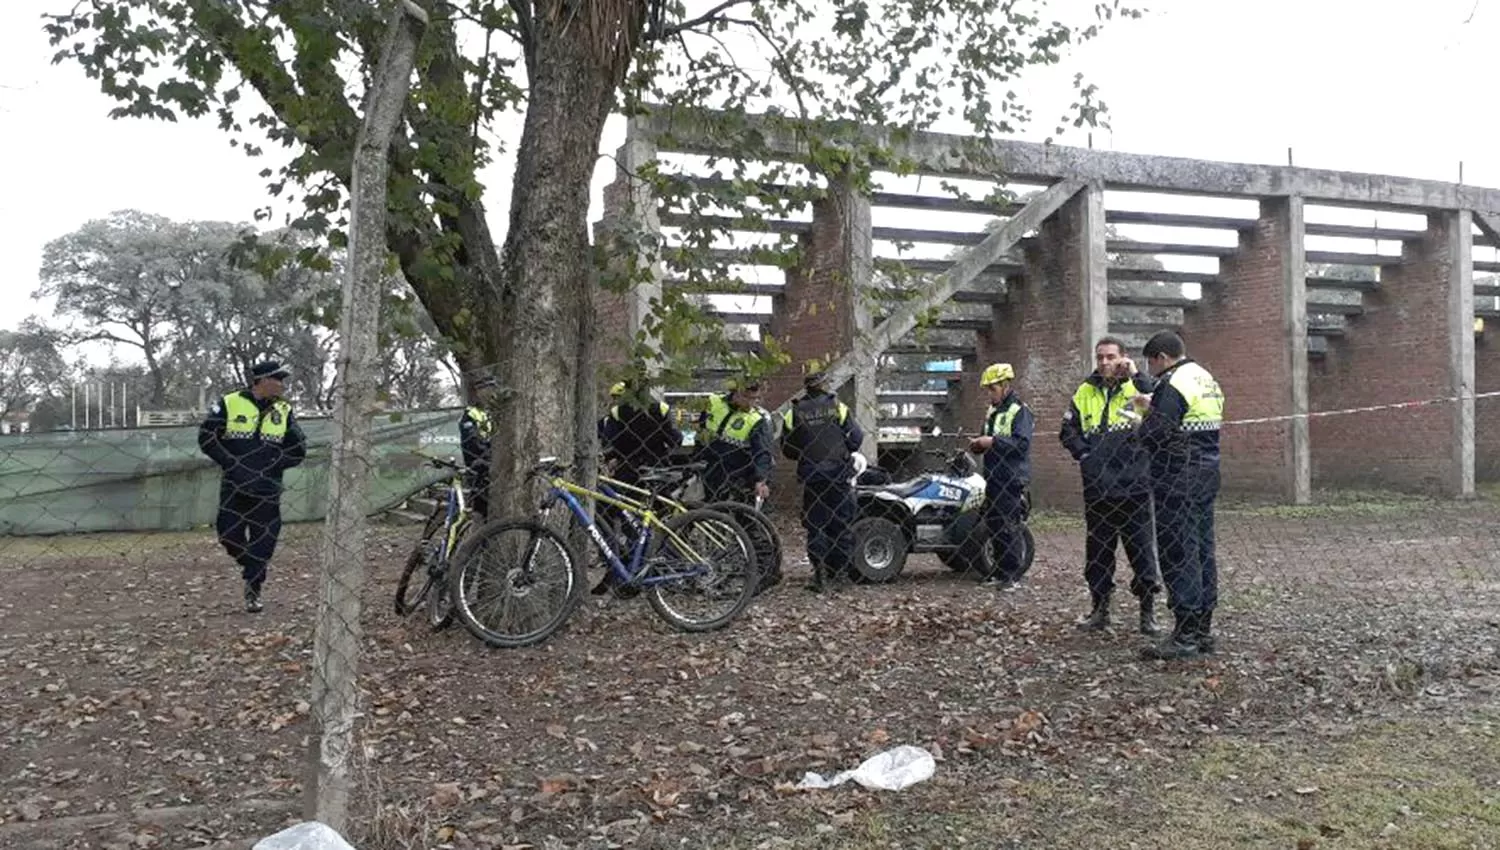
<point x="934" y="512"/>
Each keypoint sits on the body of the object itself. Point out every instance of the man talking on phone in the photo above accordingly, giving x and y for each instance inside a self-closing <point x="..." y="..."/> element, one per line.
<point x="1098" y="432"/>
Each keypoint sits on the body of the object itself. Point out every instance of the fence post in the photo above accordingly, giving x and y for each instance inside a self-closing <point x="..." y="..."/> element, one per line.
<point x="336" y="642"/>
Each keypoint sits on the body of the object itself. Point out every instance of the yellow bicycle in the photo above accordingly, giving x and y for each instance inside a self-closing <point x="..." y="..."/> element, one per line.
<point x="667" y="485"/>
<point x="424" y="580"/>
<point x="518" y="580"/>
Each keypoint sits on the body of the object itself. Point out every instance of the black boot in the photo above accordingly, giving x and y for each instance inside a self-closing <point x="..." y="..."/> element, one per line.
<point x="1181" y="643"/>
<point x="1098" y="618"/>
<point x="768" y="581"/>
<point x="1149" y="625"/>
<point x="819" y="581"/>
<point x="1205" y="633"/>
<point x="252" y="598"/>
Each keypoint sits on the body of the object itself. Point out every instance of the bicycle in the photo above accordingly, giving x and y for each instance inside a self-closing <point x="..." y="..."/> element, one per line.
<point x="661" y="559"/>
<point x="666" y="485"/>
<point x="451" y="517"/>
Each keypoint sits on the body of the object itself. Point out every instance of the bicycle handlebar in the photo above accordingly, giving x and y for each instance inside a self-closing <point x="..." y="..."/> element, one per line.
<point x="439" y="462"/>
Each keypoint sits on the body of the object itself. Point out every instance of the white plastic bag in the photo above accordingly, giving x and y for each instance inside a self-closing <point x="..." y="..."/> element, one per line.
<point x="308" y="835"/>
<point x="895" y="769"/>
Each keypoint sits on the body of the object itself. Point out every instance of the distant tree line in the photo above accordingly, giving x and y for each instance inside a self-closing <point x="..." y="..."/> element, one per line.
<point x="184" y="308"/>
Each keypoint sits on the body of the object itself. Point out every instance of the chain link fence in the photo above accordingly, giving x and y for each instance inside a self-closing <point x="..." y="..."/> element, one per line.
<point x="136" y="683"/>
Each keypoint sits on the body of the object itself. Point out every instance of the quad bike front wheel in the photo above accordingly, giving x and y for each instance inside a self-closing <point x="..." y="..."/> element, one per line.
<point x="879" y="550"/>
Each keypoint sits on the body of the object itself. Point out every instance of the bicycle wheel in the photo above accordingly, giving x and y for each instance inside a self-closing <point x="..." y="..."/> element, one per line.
<point x="515" y="583"/>
<point x="762" y="534"/>
<point x="706" y="556"/>
<point x="425" y="548"/>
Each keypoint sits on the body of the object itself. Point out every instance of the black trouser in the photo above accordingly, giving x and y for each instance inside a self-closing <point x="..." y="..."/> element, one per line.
<point x="829" y="508"/>
<point x="249" y="525"/>
<point x="1004" y="512"/>
<point x="1185" y="541"/>
<point x="478" y="494"/>
<point x="1110" y="522"/>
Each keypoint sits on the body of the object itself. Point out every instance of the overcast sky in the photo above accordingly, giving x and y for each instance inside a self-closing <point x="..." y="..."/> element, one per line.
<point x="1357" y="85"/>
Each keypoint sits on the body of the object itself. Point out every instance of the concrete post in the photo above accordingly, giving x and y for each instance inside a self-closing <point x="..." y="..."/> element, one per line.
<point x="630" y="209"/>
<point x="1092" y="267"/>
<point x="1459" y="226"/>
<point x="825" y="306"/>
<point x="1054" y="313"/>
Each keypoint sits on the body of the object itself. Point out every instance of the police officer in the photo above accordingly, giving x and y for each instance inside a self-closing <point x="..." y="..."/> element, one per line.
<point x="636" y="433"/>
<point x="254" y="437"/>
<point x="734" y="436"/>
<point x="1097" y="431"/>
<point x="475" y="430"/>
<point x="1181" y="433"/>
<point x="1005" y="444"/>
<point x="820" y="435"/>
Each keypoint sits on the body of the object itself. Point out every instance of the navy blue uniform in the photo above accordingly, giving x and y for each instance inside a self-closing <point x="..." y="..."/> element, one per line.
<point x="1098" y="431"/>
<point x="1181" y="432"/>
<point x="1007" y="473"/>
<point x="475" y="428"/>
<point x="253" y="441"/>
<point x="821" y="436"/>
<point x="735" y="446"/>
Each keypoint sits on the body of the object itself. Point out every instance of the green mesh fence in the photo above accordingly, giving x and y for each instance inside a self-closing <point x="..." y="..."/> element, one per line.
<point x="155" y="479"/>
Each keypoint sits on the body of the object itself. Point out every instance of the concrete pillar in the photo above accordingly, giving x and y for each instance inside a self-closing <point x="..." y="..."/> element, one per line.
<point x="1250" y="331"/>
<point x="819" y="314"/>
<point x="1053" y="315"/>
<point x="630" y="210"/>
<point x="1414" y="342"/>
<point x="825" y="304"/>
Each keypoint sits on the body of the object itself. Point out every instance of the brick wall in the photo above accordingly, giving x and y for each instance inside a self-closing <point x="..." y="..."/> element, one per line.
<point x="1487" y="410"/>
<point x="814" y="318"/>
<point x="1242" y="333"/>
<point x="1041" y="332"/>
<point x="613" y="309"/>
<point x="1396" y="351"/>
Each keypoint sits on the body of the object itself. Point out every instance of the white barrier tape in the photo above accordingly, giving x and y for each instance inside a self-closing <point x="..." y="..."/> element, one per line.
<point x="1400" y="405"/>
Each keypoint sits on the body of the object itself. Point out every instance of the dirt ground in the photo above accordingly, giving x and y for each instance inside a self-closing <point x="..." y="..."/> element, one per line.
<point x="1355" y="702"/>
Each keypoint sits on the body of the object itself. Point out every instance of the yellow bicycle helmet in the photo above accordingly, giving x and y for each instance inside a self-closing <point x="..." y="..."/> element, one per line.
<point x="996" y="373"/>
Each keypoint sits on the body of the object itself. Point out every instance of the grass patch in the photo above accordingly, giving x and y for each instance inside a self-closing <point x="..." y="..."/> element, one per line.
<point x="1339" y="503"/>
<point x="1400" y="785"/>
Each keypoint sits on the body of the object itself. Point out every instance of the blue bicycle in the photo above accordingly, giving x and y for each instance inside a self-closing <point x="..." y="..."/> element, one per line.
<point x="518" y="580"/>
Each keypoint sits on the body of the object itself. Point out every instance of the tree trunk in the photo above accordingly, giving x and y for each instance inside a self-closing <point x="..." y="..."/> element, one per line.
<point x="336" y="641"/>
<point x="536" y="313"/>
<point x="158" y="379"/>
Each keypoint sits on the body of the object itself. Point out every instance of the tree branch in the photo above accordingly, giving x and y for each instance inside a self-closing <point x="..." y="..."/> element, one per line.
<point x="781" y="64"/>
<point x="525" y="29"/>
<point x="711" y="16"/>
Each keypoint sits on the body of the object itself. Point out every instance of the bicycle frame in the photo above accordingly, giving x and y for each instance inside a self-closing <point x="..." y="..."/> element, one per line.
<point x="560" y="489"/>
<point x="457" y="513"/>
<point x="608" y="486"/>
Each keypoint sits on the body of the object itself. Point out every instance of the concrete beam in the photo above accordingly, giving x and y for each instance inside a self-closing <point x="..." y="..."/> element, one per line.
<point x="1489" y="223"/>
<point x="948" y="155"/>
<point x="864" y="357"/>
